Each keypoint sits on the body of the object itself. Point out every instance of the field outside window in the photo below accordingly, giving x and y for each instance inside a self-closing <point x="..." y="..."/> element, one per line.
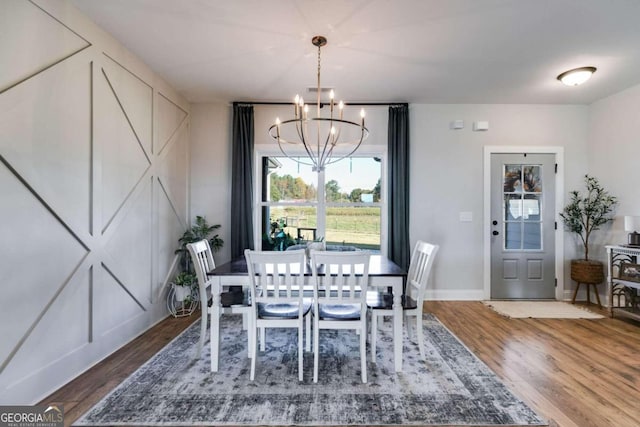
<point x="342" y="206"/>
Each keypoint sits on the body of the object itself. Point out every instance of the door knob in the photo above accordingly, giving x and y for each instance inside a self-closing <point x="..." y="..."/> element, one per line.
<point x="495" y="233"/>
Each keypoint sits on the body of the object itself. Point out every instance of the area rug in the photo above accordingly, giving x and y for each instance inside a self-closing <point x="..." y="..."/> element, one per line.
<point x="450" y="387"/>
<point x="541" y="310"/>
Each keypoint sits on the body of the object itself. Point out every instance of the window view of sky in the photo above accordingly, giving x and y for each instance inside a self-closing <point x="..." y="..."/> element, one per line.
<point x="356" y="172"/>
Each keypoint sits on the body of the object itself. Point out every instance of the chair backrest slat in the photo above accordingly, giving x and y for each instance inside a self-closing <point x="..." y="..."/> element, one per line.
<point x="420" y="269"/>
<point x="346" y="276"/>
<point x="275" y="276"/>
<point x="202" y="260"/>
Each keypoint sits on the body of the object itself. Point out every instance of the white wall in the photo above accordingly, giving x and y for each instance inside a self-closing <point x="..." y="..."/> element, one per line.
<point x="446" y="178"/>
<point x="614" y="150"/>
<point x="94" y="190"/>
<point x="446" y="172"/>
<point x="211" y="169"/>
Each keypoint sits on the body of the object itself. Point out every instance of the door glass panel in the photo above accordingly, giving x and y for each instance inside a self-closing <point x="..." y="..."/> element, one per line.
<point x="512" y="178"/>
<point x="513" y="235"/>
<point x="532" y="235"/>
<point x="522" y="205"/>
<point x="531" y="207"/>
<point x="532" y="179"/>
<point x="513" y="207"/>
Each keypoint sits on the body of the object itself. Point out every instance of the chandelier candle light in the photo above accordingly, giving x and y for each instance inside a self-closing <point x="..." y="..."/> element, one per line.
<point x="320" y="140"/>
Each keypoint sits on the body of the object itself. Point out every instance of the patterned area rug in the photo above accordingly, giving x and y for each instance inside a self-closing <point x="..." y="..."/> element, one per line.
<point x="450" y="387"/>
<point x="541" y="310"/>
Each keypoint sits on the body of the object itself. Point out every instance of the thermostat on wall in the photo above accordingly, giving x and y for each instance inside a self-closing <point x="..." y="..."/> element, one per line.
<point x="457" y="124"/>
<point x="480" y="125"/>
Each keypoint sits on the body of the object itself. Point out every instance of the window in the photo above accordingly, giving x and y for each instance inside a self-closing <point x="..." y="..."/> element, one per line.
<point x="522" y="195"/>
<point x="344" y="205"/>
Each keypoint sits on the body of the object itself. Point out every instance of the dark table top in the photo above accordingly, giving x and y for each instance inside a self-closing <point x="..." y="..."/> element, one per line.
<point x="378" y="266"/>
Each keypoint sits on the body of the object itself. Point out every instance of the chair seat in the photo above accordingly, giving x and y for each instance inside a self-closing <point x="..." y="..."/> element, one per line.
<point x="384" y="301"/>
<point x="287" y="310"/>
<point x="339" y="311"/>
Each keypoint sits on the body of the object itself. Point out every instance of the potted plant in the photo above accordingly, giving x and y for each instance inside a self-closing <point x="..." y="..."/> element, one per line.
<point x="186" y="282"/>
<point x="199" y="231"/>
<point x="583" y="215"/>
<point x="183" y="286"/>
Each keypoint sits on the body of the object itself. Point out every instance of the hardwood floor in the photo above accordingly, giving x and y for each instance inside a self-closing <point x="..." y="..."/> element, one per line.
<point x="575" y="373"/>
<point x="79" y="395"/>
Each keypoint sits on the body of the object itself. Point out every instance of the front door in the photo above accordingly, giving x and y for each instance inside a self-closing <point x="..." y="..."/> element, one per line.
<point x="523" y="226"/>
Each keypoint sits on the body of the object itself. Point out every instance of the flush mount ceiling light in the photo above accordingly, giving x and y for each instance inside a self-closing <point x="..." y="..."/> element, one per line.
<point x="577" y="76"/>
<point x="320" y="140"/>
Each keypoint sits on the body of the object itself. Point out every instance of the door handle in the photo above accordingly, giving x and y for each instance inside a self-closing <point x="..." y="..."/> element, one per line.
<point x="495" y="233"/>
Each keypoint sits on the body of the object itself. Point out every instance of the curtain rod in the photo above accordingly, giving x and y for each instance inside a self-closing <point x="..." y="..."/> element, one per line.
<point x="322" y="103"/>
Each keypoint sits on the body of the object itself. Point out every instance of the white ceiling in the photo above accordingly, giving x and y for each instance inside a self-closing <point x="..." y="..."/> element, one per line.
<point x="417" y="51"/>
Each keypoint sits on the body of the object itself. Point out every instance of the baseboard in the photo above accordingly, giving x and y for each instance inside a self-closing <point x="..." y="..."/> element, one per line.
<point x="455" y="294"/>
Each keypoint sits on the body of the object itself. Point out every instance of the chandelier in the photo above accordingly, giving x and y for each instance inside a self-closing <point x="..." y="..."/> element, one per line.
<point x="320" y="140"/>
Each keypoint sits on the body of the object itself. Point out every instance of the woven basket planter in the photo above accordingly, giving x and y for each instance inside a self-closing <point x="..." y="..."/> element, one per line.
<point x="583" y="271"/>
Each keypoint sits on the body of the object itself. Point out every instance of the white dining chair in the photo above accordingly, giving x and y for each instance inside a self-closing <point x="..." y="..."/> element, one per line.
<point x="277" y="285"/>
<point x="233" y="301"/>
<point x="380" y="303"/>
<point x="339" y="298"/>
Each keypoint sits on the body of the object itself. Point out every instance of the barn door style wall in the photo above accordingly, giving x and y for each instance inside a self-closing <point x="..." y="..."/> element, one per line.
<point x="94" y="168"/>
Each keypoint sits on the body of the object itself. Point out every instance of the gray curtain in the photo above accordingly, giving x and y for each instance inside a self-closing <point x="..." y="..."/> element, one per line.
<point x="398" y="152"/>
<point x="242" y="180"/>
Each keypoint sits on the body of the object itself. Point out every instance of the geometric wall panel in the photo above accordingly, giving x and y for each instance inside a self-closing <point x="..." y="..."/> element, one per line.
<point x="123" y="160"/>
<point x="171" y="172"/>
<point x="67" y="321"/>
<point x="38" y="255"/>
<point x="45" y="134"/>
<point x="129" y="246"/>
<point x="87" y="230"/>
<point x="112" y="304"/>
<point x="31" y="40"/>
<point x="170" y="117"/>
<point x="136" y="98"/>
<point x="171" y="228"/>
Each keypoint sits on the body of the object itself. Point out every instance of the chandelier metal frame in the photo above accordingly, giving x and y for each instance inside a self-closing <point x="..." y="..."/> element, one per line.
<point x="323" y="151"/>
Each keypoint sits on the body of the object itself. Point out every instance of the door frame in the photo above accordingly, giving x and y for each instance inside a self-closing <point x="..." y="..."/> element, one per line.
<point x="559" y="205"/>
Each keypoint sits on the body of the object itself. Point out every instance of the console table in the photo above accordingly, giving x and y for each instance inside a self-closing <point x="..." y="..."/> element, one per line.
<point x="623" y="294"/>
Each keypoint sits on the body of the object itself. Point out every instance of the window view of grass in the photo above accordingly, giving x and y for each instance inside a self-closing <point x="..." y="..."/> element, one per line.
<point x="357" y="226"/>
<point x="354" y="182"/>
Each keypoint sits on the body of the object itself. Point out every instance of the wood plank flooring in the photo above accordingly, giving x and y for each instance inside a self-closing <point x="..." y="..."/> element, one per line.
<point x="575" y="373"/>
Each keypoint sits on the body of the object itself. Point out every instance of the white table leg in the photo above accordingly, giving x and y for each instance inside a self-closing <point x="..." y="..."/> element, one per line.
<point x="215" y="323"/>
<point x="397" y="324"/>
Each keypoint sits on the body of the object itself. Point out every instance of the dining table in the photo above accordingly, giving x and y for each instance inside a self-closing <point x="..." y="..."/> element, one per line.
<point x="383" y="273"/>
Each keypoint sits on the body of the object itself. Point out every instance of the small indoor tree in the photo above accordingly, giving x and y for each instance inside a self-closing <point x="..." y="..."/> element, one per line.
<point x="586" y="213"/>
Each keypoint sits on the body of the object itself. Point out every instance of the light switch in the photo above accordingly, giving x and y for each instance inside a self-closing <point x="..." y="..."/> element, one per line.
<point x="466" y="216"/>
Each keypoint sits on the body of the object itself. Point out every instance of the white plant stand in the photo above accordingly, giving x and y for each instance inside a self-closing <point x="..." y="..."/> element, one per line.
<point x="182" y="302"/>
